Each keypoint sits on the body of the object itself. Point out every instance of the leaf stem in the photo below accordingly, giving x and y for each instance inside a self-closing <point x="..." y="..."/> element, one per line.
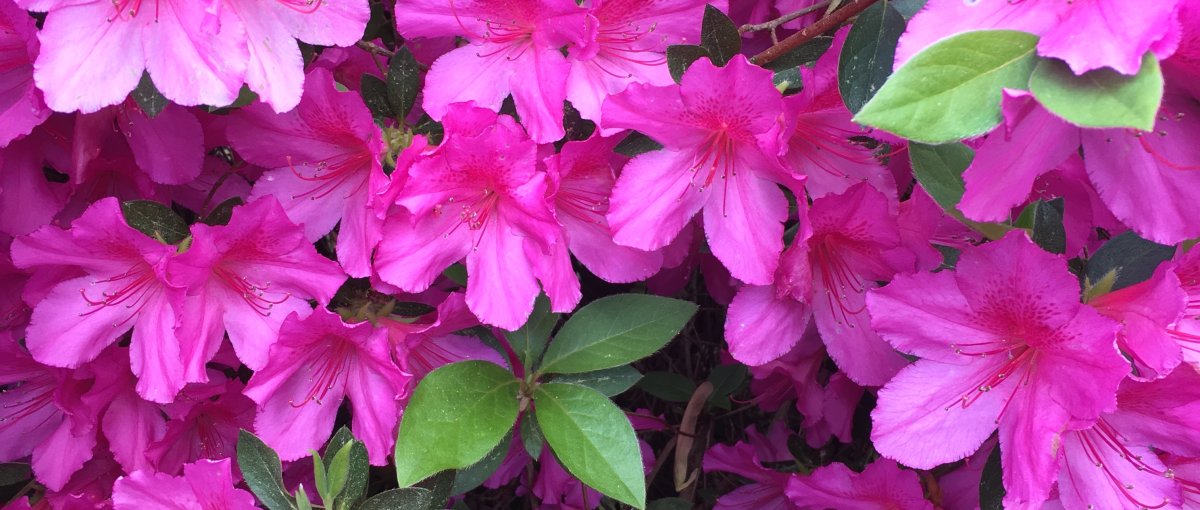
<point x="775" y="23"/>
<point x="812" y="31"/>
<point x="371" y="47"/>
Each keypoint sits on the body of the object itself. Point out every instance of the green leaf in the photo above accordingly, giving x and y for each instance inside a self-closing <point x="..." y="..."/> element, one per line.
<point x="474" y="475"/>
<point x="680" y="57"/>
<point x="358" y="463"/>
<point x="667" y="386"/>
<point x="439" y="486"/>
<point x="302" y="501"/>
<point x="726" y="379"/>
<point x="669" y="504"/>
<point x="222" y="213"/>
<point x="719" y="36"/>
<point x="868" y="54"/>
<point x="615" y="330"/>
<point x="593" y="440"/>
<point x="532" y="438"/>
<point x="636" y="143"/>
<point x="148" y="98"/>
<point x="411" y="498"/>
<point x="12" y="473"/>
<point x="529" y="341"/>
<point x="1044" y="219"/>
<point x="952" y="89"/>
<point x="403" y="81"/>
<point x="788" y="80"/>
<point x="991" y="484"/>
<point x="802" y="55"/>
<point x="1124" y="260"/>
<point x="939" y="169"/>
<point x="1102" y="98"/>
<point x="339" y="473"/>
<point x="375" y="94"/>
<point x="457" y="414"/>
<point x="321" y="479"/>
<point x="155" y="220"/>
<point x="908" y="8"/>
<point x="610" y="381"/>
<point x="262" y="472"/>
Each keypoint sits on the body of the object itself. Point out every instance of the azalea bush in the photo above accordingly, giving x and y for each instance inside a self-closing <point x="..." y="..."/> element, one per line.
<point x="747" y="254"/>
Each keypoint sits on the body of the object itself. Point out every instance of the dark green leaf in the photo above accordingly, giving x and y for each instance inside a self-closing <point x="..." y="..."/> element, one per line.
<point x="1102" y="98"/>
<point x="610" y="381"/>
<point x="474" y="475"/>
<point x="12" y="473"/>
<point x="403" y="81"/>
<point x="667" y="386"/>
<point x="615" y="330"/>
<point x="720" y="36"/>
<point x="802" y="55"/>
<point x="440" y="486"/>
<point x="1125" y="260"/>
<point x="952" y="89"/>
<point x="593" y="440"/>
<point x="669" y="504"/>
<point x="262" y="472"/>
<point x="148" y="98"/>
<point x="788" y="80"/>
<point x="908" y="8"/>
<point x="680" y="58"/>
<point x="457" y="414"/>
<point x="939" y="169"/>
<point x="411" y="498"/>
<point x="636" y="143"/>
<point x="1045" y="221"/>
<point x="868" y="54"/>
<point x="360" y="468"/>
<point x="222" y="213"/>
<point x="155" y="220"/>
<point x="530" y="339"/>
<point x="726" y="379"/>
<point x="375" y="95"/>
<point x="991" y="484"/>
<point x="531" y="436"/>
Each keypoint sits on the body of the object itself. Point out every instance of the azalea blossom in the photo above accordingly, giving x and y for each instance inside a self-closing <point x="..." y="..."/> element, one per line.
<point x="204" y="484"/>
<point x="882" y="485"/>
<point x="21" y="103"/>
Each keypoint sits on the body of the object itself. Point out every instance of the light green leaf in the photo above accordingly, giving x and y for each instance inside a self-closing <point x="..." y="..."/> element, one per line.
<point x="302" y="501"/>
<point x="593" y="440"/>
<point x="610" y="381"/>
<point x="321" y="479"/>
<point x="1102" y="98"/>
<point x="952" y="89"/>
<point x="614" y="331"/>
<point x="339" y="473"/>
<point x="457" y="414"/>
<point x="262" y="472"/>
<point x="530" y="339"/>
<point x="358" y="463"/>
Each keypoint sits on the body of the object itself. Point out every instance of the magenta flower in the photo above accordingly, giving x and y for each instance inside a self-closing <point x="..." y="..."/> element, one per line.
<point x="204" y="484"/>
<point x="21" y="103"/>
<point x="1082" y="32"/>
<point x="1001" y="347"/>
<point x="245" y="278"/>
<point x="27" y="199"/>
<point x="514" y="49"/>
<point x="115" y="280"/>
<point x="766" y="490"/>
<point x="581" y="181"/>
<point x="317" y="363"/>
<point x="275" y="69"/>
<point x="204" y="424"/>
<point x="826" y="278"/>
<point x="1146" y="311"/>
<point x="882" y="486"/>
<point x="94" y="52"/>
<point x="325" y="157"/>
<point x="720" y="129"/>
<point x="168" y="148"/>
<point x="478" y="195"/>
<point x="1187" y="330"/>
<point x="629" y="46"/>
<point x="420" y="348"/>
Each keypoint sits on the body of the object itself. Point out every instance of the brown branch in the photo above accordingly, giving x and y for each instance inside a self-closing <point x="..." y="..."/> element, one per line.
<point x="775" y="23"/>
<point x="371" y="47"/>
<point x="812" y="31"/>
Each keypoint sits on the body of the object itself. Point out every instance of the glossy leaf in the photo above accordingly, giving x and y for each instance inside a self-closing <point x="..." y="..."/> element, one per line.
<point x="680" y="58"/>
<point x="403" y="81"/>
<point x="593" y="440"/>
<point x="868" y="54"/>
<point x="614" y="331"/>
<point x="155" y="220"/>
<point x="375" y="95"/>
<point x="952" y="89"/>
<point x="1102" y="98"/>
<point x="1125" y="260"/>
<point x="719" y="36"/>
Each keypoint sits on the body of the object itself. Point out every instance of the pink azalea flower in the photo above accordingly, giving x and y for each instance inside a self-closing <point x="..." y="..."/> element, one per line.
<point x="1081" y="32"/>
<point x="825" y="277"/>
<point x="27" y="199"/>
<point x="90" y="488"/>
<point x="204" y="425"/>
<point x="43" y="412"/>
<point x="129" y="423"/>
<point x="21" y="103"/>
<point x="169" y="148"/>
<point x="1187" y="330"/>
<point x="94" y="52"/>
<point x="720" y="128"/>
<point x="1005" y="343"/>
<point x="317" y="363"/>
<point x="514" y="49"/>
<point x="204" y="484"/>
<point x="325" y="157"/>
<point x="766" y="490"/>
<point x="421" y="348"/>
<point x="881" y="486"/>
<point x="14" y="313"/>
<point x="1114" y="463"/>
<point x="245" y="278"/>
<point x="581" y="181"/>
<point x="480" y="196"/>
<point x="117" y="281"/>
<point x="275" y="69"/>
<point x="1146" y="310"/>
<point x="629" y="46"/>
